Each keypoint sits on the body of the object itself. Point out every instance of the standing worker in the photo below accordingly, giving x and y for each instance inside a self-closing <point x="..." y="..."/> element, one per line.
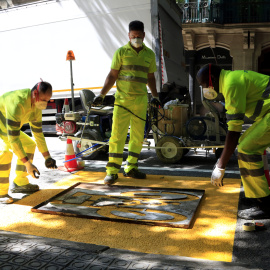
<point x="17" y="108"/>
<point x="133" y="67"/>
<point x="246" y="93"/>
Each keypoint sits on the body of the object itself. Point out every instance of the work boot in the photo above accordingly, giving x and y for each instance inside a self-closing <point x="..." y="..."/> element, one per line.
<point x="6" y="199"/>
<point x="260" y="211"/>
<point x="29" y="188"/>
<point x="135" y="173"/>
<point x="110" y="179"/>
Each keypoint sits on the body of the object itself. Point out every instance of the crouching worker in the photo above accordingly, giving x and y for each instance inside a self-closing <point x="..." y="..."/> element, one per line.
<point x="17" y="108"/>
<point x="246" y="93"/>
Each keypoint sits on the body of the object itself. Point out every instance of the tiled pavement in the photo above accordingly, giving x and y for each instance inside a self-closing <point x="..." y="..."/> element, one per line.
<point x="23" y="252"/>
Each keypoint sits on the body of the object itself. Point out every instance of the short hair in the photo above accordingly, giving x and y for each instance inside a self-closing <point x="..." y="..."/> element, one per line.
<point x="136" y="26"/>
<point x="42" y="87"/>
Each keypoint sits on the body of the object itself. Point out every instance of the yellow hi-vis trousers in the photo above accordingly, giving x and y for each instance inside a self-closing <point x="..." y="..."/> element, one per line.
<point x="6" y="155"/>
<point x="251" y="146"/>
<point x="122" y="119"/>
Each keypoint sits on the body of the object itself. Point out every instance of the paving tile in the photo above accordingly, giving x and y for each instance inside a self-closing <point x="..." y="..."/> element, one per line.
<point x="78" y="265"/>
<point x="6" y="256"/>
<point x="56" y="250"/>
<point x="35" y="264"/>
<point x="184" y="268"/>
<point x="16" y="248"/>
<point x="3" y="238"/>
<point x="120" y="263"/>
<point x="73" y="253"/>
<point x="97" y="267"/>
<point x="87" y="257"/>
<point x="26" y="243"/>
<point x="43" y="247"/>
<point x="61" y="260"/>
<point x="32" y="252"/>
<point x="46" y="256"/>
<point x="103" y="260"/>
<point x="138" y="266"/>
<point x="13" y="240"/>
<point x="158" y="267"/>
<point x="20" y="260"/>
<point x="7" y="266"/>
<point x="52" y="267"/>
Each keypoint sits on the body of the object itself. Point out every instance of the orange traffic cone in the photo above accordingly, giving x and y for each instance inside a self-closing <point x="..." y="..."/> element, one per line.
<point x="71" y="164"/>
<point x="66" y="106"/>
<point x="266" y="167"/>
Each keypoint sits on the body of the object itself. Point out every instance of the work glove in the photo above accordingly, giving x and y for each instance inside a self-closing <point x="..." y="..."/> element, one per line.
<point x="98" y="100"/>
<point x="50" y="163"/>
<point x="32" y="170"/>
<point x="155" y="102"/>
<point x="217" y="176"/>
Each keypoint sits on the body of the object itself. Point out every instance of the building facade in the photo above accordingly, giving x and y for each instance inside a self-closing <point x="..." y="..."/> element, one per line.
<point x="234" y="34"/>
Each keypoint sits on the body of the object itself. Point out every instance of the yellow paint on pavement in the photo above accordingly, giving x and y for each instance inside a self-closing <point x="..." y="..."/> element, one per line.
<point x="211" y="237"/>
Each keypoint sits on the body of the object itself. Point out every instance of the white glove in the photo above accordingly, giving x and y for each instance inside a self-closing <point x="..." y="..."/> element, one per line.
<point x="32" y="169"/>
<point x="217" y="176"/>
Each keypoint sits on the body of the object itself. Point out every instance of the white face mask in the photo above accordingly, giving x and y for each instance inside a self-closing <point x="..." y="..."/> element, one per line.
<point x="210" y="93"/>
<point x="42" y="105"/>
<point x="136" y="42"/>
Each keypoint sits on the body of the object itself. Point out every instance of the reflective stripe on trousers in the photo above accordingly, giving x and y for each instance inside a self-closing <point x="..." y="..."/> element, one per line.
<point x="6" y="158"/>
<point x="122" y="119"/>
<point x="250" y="150"/>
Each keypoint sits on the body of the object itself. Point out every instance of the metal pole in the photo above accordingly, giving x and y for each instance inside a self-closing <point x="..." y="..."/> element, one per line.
<point x="72" y="90"/>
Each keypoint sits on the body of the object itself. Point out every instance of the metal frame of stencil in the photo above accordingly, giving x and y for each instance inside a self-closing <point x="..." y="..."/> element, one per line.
<point x="167" y="207"/>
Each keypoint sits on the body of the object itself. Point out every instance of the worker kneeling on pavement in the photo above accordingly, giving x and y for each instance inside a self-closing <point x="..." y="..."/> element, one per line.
<point x="16" y="109"/>
<point x="133" y="67"/>
<point x="246" y="93"/>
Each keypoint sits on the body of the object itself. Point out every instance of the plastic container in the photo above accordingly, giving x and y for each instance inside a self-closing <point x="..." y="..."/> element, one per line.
<point x="174" y="122"/>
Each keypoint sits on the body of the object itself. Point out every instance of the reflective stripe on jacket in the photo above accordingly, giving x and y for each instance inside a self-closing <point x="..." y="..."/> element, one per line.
<point x="246" y="93"/>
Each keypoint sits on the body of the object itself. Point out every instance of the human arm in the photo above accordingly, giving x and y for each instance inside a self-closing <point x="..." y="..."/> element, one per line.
<point x="151" y="82"/>
<point x="36" y="128"/>
<point x="219" y="168"/>
<point x="109" y="82"/>
<point x="230" y="145"/>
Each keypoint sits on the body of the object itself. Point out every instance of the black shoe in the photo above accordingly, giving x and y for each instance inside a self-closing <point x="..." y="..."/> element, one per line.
<point x="254" y="213"/>
<point x="135" y="173"/>
<point x="29" y="188"/>
<point x="110" y="179"/>
<point x="6" y="199"/>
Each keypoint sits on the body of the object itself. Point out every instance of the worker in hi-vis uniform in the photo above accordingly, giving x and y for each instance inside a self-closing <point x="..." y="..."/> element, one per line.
<point x="17" y="108"/>
<point x="133" y="67"/>
<point x="246" y="93"/>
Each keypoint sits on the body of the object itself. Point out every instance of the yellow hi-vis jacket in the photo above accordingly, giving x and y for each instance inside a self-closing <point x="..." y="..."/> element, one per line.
<point x="15" y="111"/>
<point x="134" y="68"/>
<point x="246" y="93"/>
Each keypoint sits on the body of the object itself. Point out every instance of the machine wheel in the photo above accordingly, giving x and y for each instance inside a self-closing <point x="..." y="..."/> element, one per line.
<point x="91" y="135"/>
<point x="170" y="154"/>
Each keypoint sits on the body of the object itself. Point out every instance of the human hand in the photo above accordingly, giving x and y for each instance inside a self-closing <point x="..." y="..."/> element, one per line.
<point x="32" y="170"/>
<point x="217" y="176"/>
<point x="155" y="102"/>
<point x="98" y="100"/>
<point x="50" y="163"/>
